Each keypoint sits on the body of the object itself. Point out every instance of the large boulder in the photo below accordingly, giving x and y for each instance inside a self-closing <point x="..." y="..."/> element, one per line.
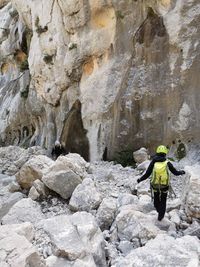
<point x="140" y="155"/>
<point x="24" y="229"/>
<point x="164" y="250"/>
<point x="62" y="182"/>
<point x="32" y="170"/>
<point x="85" y="197"/>
<point x="7" y="200"/>
<point x="106" y="213"/>
<point x="192" y="192"/>
<point x="17" y="251"/>
<point x="132" y="224"/>
<point x="74" y="162"/>
<point x="65" y="174"/>
<point x="25" y="210"/>
<point x="126" y="199"/>
<point x="193" y="229"/>
<point x="75" y="237"/>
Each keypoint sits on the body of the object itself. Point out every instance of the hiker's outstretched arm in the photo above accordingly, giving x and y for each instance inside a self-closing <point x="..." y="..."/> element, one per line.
<point x="147" y="173"/>
<point x="173" y="170"/>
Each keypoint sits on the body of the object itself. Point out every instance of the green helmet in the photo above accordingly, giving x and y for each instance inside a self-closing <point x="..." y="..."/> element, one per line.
<point x="162" y="149"/>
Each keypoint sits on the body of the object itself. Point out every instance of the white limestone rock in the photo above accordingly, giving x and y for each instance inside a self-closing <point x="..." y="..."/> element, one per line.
<point x="6" y="180"/>
<point x="17" y="251"/>
<point x="32" y="170"/>
<point x="85" y="197"/>
<point x="91" y="235"/>
<point x="62" y="182"/>
<point x="38" y="190"/>
<point x="41" y="188"/>
<point x="65" y="174"/>
<point x="106" y="213"/>
<point x="175" y="217"/>
<point x="25" y="210"/>
<point x="193" y="229"/>
<point x="192" y="192"/>
<point x="7" y="200"/>
<point x="173" y="204"/>
<point x="74" y="162"/>
<point x="164" y="251"/>
<point x="140" y="155"/>
<point x="143" y="187"/>
<point x="135" y="224"/>
<point x="126" y="199"/>
<point x="145" y="204"/>
<point x="126" y="246"/>
<point x="24" y="229"/>
<point x="33" y="193"/>
<point x="76" y="237"/>
<point x="14" y="187"/>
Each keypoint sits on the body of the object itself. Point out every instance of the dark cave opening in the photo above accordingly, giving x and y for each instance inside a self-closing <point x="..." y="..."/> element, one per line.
<point x="73" y="137"/>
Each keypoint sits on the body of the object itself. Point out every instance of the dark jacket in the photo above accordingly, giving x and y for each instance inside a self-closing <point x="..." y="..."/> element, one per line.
<point x="57" y="151"/>
<point x="159" y="158"/>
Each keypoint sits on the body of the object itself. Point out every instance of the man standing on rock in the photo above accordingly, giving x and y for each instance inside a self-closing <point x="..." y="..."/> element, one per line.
<point x="160" y="179"/>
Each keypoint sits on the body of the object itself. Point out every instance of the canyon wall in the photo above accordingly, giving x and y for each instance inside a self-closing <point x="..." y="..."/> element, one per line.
<point x="101" y="76"/>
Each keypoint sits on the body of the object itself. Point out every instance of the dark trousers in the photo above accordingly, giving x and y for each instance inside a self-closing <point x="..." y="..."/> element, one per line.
<point x="160" y="199"/>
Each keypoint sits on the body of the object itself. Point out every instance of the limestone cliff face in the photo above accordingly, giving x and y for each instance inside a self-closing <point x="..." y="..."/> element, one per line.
<point x="101" y="76"/>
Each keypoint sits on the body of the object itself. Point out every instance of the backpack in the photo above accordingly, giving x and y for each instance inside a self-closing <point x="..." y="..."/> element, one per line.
<point x="160" y="176"/>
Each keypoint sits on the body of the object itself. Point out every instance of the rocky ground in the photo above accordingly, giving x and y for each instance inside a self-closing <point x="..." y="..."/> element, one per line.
<point x="69" y="213"/>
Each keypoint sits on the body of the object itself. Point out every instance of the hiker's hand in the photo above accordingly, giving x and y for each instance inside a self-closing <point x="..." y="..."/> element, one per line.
<point x="138" y="180"/>
<point x="182" y="172"/>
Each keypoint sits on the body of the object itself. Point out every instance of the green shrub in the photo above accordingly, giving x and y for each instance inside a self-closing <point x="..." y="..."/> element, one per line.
<point x="181" y="151"/>
<point x="125" y="158"/>
<point x="37" y="21"/>
<point x="24" y="94"/>
<point x="6" y="32"/>
<point x="24" y="65"/>
<point x="72" y="46"/>
<point x="119" y="15"/>
<point x="39" y="28"/>
<point x="48" y="59"/>
<point x="13" y="13"/>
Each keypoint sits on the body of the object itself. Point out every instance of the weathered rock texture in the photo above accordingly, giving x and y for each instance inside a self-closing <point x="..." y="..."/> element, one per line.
<point x="32" y="170"/>
<point x="186" y="255"/>
<point x="18" y="213"/>
<point x="118" y="229"/>
<point x="192" y="189"/>
<point x="76" y="237"/>
<point x="12" y="158"/>
<point x="101" y="76"/>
